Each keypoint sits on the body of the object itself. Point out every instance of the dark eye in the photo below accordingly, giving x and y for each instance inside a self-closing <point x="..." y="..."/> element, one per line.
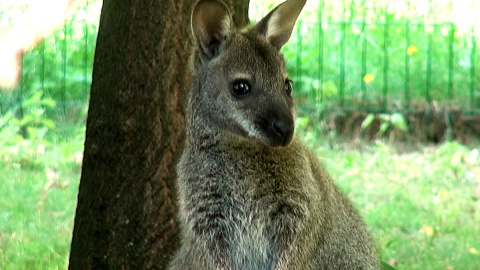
<point x="241" y="88"/>
<point x="288" y="86"/>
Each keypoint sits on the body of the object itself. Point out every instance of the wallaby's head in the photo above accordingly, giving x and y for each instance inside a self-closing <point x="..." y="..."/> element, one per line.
<point x="241" y="85"/>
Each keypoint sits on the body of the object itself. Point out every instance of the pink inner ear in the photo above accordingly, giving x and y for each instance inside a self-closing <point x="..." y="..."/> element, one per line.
<point x="211" y="24"/>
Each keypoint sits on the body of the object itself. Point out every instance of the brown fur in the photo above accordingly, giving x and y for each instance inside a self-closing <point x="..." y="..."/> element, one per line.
<point x="251" y="196"/>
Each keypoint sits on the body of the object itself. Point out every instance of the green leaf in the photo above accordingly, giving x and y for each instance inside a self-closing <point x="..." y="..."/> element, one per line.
<point x="302" y="122"/>
<point x="5" y="118"/>
<point x="368" y="121"/>
<point x="383" y="128"/>
<point x="33" y="99"/>
<point x="48" y="123"/>
<point x="49" y="102"/>
<point x="384" y="117"/>
<point x="386" y="266"/>
<point x="329" y="89"/>
<point x="398" y="121"/>
<point x="26" y="120"/>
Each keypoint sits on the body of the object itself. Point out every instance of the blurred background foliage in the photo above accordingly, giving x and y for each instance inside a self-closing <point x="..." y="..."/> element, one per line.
<point x="366" y="55"/>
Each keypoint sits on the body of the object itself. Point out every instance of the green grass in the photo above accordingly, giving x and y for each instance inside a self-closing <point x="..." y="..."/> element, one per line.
<point x="422" y="205"/>
<point x="38" y="194"/>
<point x="36" y="218"/>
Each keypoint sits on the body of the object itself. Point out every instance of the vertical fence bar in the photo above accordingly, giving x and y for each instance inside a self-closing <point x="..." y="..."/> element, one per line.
<point x="42" y="51"/>
<point x="385" y="58"/>
<point x="472" y="68"/>
<point x="320" y="49"/>
<point x="64" y="67"/>
<point x="21" y="96"/>
<point x="428" y="82"/>
<point x="85" y="44"/>
<point x="298" y="58"/>
<point x="364" y="55"/>
<point x="21" y="83"/>
<point x="407" y="64"/>
<point x="343" y="26"/>
<point x="407" y="60"/>
<point x="451" y="36"/>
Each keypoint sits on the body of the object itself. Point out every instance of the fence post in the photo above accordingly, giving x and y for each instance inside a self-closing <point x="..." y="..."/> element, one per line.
<point x="299" y="51"/>
<point x="364" y="55"/>
<point x="21" y="97"/>
<point x="64" y="67"/>
<point x="472" y="68"/>
<point x="429" y="55"/>
<point x="42" y="51"/>
<point x="407" y="62"/>
<point x="451" y="36"/>
<point x="320" y="49"/>
<point x="85" y="55"/>
<point x="385" y="58"/>
<point x="343" y="26"/>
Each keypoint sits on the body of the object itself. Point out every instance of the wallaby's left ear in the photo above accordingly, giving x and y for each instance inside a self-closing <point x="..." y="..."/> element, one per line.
<point x="278" y="25"/>
<point x="211" y="24"/>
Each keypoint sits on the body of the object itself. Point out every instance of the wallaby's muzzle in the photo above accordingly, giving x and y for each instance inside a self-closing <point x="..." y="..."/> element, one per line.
<point x="284" y="130"/>
<point x="278" y="130"/>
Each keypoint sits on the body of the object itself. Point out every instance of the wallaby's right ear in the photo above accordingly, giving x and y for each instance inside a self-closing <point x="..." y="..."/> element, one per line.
<point x="277" y="26"/>
<point x="211" y="24"/>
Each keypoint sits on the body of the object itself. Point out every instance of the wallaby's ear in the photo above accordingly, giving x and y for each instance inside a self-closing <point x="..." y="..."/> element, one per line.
<point x="211" y="24"/>
<point x="277" y="26"/>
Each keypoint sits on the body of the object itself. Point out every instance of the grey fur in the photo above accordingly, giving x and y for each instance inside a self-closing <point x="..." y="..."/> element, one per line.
<point x="251" y="196"/>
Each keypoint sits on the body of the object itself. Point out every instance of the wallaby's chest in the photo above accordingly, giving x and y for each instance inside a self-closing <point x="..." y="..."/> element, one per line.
<point x="249" y="196"/>
<point x="247" y="185"/>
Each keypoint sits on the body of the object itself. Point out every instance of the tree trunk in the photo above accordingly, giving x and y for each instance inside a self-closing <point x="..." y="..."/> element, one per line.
<point x="126" y="212"/>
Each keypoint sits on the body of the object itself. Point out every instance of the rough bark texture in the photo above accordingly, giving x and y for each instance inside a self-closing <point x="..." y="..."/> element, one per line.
<point x="126" y="214"/>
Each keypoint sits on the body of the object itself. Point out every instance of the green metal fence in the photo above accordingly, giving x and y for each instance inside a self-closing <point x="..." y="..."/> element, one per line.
<point x="60" y="66"/>
<point x="369" y="55"/>
<point x="389" y="55"/>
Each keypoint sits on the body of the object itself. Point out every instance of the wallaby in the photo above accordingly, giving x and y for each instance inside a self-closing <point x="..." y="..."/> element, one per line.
<point x="251" y="196"/>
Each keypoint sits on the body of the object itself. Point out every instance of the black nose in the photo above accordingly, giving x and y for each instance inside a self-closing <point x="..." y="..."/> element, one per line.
<point x="284" y="129"/>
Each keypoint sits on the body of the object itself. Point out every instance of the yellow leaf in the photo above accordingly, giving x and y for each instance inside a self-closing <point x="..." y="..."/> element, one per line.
<point x="368" y="78"/>
<point x="443" y="194"/>
<point x="473" y="251"/>
<point x="457" y="159"/>
<point x="411" y="50"/>
<point x="427" y="230"/>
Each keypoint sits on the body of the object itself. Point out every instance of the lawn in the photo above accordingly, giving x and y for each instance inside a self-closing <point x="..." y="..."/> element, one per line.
<point x="36" y="216"/>
<point x="422" y="206"/>
<point x="421" y="202"/>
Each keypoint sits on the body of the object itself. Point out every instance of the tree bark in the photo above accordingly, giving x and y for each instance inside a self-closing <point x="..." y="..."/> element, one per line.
<point x="126" y="212"/>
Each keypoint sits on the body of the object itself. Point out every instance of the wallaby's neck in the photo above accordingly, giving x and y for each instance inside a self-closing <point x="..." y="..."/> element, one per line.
<point x="199" y="129"/>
